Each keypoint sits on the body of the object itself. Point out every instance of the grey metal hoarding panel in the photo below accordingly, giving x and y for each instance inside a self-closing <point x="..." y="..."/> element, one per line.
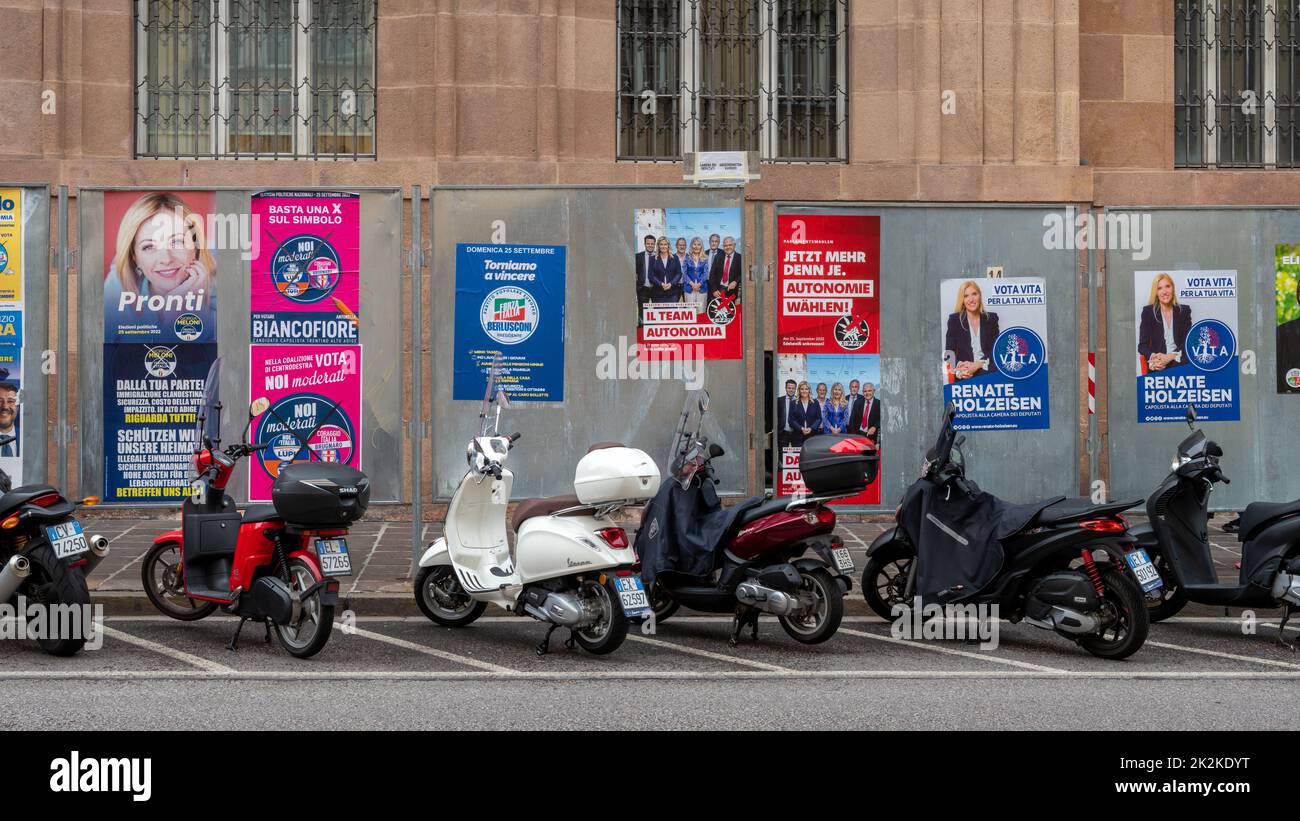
<point x="1260" y="452"/>
<point x="596" y="225"/>
<point x="36" y="324"/>
<point x="920" y="246"/>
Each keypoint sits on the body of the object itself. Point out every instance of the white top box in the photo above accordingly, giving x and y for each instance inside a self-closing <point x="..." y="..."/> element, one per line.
<point x="616" y="474"/>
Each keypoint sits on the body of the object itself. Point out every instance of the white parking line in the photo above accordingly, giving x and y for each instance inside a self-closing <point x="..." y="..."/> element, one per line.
<point x="112" y="575"/>
<point x="373" y="549"/>
<point x="194" y="661"/>
<point x="1218" y="654"/>
<point x="430" y="651"/>
<point x="920" y="645"/>
<point x="667" y="645"/>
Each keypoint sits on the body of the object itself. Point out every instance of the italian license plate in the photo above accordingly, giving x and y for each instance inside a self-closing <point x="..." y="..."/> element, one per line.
<point x="1144" y="571"/>
<point x="68" y="539"/>
<point x="631" y="593"/>
<point x="334" y="558"/>
<point x="843" y="561"/>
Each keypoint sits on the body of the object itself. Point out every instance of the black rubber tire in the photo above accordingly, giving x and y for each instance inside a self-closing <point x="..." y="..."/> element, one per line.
<point x="1174" y="599"/>
<point x="615" y="634"/>
<point x="325" y="621"/>
<point x="871" y="581"/>
<point x="426" y="607"/>
<point x="54" y="582"/>
<point x="833" y="594"/>
<point x="1125" y="593"/>
<point x="148" y="568"/>
<point x="663" y="603"/>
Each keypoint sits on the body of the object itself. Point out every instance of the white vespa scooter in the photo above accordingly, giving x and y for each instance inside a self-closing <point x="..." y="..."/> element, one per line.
<point x="571" y="565"/>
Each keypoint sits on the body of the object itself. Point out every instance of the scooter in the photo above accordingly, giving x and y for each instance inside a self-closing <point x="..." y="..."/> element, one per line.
<point x="1036" y="563"/>
<point x="570" y="566"/>
<point x="1176" y="536"/>
<point x="752" y="558"/>
<point x="277" y="564"/>
<point x="45" y="556"/>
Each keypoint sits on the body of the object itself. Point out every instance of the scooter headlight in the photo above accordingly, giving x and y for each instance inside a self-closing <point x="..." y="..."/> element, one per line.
<point x="1179" y="461"/>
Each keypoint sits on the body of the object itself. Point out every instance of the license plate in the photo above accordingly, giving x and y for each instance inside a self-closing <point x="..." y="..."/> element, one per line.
<point x="632" y="595"/>
<point x="68" y="539"/>
<point x="1144" y="570"/>
<point x="843" y="561"/>
<point x="334" y="558"/>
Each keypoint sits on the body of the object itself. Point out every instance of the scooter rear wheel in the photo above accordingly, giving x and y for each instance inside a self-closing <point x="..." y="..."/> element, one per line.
<point x="54" y="582"/>
<point x="162" y="574"/>
<point x="823" y="619"/>
<point x="440" y="597"/>
<point x="308" y="634"/>
<point x="609" y="633"/>
<point x="1129" y="632"/>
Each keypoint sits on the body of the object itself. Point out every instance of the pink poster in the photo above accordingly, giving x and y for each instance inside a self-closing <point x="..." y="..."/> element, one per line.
<point x="305" y="268"/>
<point x="315" y="413"/>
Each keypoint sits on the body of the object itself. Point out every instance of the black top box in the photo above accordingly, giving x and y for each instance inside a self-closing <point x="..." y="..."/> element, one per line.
<point x="834" y="463"/>
<point x="320" y="494"/>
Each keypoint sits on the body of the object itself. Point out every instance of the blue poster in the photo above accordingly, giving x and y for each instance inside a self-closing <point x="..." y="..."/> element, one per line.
<point x="151" y="398"/>
<point x="1187" y="345"/>
<point x="995" y="365"/>
<point x="510" y="301"/>
<point x="11" y="326"/>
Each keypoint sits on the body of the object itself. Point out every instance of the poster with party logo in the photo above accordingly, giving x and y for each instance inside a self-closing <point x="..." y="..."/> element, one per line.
<point x="11" y="245"/>
<point x="11" y="380"/>
<point x="995" y="352"/>
<point x="1287" y="316"/>
<point x="306" y="268"/>
<point x="1187" y="345"/>
<point x="315" y="412"/>
<point x="510" y="303"/>
<point x="152" y="395"/>
<point x="828" y="340"/>
<point x="689" y="270"/>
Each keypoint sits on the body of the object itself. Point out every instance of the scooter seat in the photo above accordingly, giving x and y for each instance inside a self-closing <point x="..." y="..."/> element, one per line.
<point x="546" y="506"/>
<point x="1258" y="514"/>
<point x="1073" y="510"/>
<point x="762" y="508"/>
<point x="260" y="513"/>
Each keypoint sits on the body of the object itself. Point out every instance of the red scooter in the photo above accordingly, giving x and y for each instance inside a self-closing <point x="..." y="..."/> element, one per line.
<point x="277" y="563"/>
<point x="753" y="557"/>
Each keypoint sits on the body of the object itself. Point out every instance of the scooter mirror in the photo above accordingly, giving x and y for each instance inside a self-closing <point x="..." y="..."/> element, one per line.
<point x="1191" y="415"/>
<point x="704" y="401"/>
<point x="259" y="406"/>
<point x="503" y="401"/>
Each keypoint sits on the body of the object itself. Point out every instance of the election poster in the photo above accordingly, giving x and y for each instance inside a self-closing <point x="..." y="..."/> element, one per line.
<point x="305" y="268"/>
<point x="510" y="303"/>
<point x="689" y="271"/>
<point x="1287" y="313"/>
<point x="315" y="411"/>
<point x="11" y="246"/>
<point x="995" y="352"/>
<point x="828" y="339"/>
<point x="160" y="267"/>
<point x="152" y="396"/>
<point x="11" y="381"/>
<point x="1187" y="345"/>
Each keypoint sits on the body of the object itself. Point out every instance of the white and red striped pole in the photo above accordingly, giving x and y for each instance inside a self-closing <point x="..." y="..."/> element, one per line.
<point x="1092" y="383"/>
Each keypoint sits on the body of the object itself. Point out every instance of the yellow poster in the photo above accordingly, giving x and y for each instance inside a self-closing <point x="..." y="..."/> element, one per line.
<point x="11" y="245"/>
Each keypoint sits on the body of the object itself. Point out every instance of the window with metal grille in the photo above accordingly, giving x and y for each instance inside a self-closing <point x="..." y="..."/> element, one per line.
<point x="288" y="79"/>
<point x="732" y="75"/>
<point x="1236" y="84"/>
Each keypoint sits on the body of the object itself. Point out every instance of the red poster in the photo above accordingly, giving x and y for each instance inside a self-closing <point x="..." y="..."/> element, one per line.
<point x="828" y="340"/>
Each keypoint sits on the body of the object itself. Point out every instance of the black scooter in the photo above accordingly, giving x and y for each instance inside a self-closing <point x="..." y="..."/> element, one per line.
<point x="1037" y="563"/>
<point x="1177" y="539"/>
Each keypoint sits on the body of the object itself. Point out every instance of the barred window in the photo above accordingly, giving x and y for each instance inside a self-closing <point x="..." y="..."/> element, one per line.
<point x="1236" y="84"/>
<point x="255" y="78"/>
<point x="742" y="75"/>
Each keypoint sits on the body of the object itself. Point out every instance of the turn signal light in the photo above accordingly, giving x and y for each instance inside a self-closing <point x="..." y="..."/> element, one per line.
<point x="615" y="537"/>
<point x="90" y="501"/>
<point x="11" y="522"/>
<point x="1104" y="525"/>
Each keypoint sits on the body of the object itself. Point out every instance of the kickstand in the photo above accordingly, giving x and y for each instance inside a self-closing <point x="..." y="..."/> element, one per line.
<point x="267" y="624"/>
<point x="741" y="619"/>
<point x="1281" y="628"/>
<point x="571" y="642"/>
<point x="545" y="646"/>
<point x="234" y="642"/>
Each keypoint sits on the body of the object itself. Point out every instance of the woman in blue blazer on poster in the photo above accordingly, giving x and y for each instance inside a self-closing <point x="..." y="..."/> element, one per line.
<point x="665" y="275"/>
<point x="805" y="416"/>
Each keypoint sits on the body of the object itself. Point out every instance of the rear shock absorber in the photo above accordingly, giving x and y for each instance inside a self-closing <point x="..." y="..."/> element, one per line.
<point x="277" y="539"/>
<point x="1090" y="567"/>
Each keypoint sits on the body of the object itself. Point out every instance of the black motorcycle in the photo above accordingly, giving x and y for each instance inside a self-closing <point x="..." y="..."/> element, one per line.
<point x="1037" y="563"/>
<point x="45" y="557"/>
<point x="1176" y="537"/>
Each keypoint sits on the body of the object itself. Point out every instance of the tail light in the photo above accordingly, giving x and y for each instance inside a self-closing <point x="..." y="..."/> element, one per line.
<point x="47" y="499"/>
<point x="825" y="515"/>
<point x="615" y="537"/>
<point x="1104" y="525"/>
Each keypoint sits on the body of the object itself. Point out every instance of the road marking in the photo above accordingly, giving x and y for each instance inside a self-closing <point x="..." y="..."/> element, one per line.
<point x="681" y="648"/>
<point x="206" y="665"/>
<point x="137" y="558"/>
<point x="373" y="549"/>
<point x="430" y="651"/>
<point x="1218" y="654"/>
<point x="950" y="651"/>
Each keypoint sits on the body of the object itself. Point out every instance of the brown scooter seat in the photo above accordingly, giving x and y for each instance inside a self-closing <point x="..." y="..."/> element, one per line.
<point x="546" y="506"/>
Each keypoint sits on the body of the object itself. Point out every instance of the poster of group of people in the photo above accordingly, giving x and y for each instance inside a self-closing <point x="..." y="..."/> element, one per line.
<point x="1187" y="345"/>
<point x="995" y="352"/>
<point x="1287" y="317"/>
<point x="510" y="304"/>
<point x="828" y="338"/>
<point x="159" y="338"/>
<point x="304" y="356"/>
<point x="688" y="271"/>
<point x="11" y="331"/>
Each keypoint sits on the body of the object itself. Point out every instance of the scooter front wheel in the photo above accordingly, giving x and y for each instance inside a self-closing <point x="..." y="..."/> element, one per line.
<point x="443" y="600"/>
<point x="308" y="632"/>
<point x="1172" y="598"/>
<point x="609" y="631"/>
<point x="163" y="575"/>
<point x="822" y="617"/>
<point x="663" y="603"/>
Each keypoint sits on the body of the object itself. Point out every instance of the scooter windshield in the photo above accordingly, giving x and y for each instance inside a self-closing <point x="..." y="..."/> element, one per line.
<point x="488" y="417"/>
<point x="688" y="443"/>
<point x="208" y="424"/>
<point x="1193" y="447"/>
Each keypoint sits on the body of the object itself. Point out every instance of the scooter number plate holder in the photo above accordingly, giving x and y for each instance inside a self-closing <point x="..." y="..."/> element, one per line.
<point x="1144" y="571"/>
<point x="67" y="539"/>
<point x="632" y="595"/>
<point x="334" y="557"/>
<point x="843" y="561"/>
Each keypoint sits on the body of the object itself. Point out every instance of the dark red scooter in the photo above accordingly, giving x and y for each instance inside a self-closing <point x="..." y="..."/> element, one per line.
<point x="753" y="557"/>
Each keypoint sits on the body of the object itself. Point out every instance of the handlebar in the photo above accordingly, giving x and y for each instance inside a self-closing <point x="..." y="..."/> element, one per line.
<point x="512" y="438"/>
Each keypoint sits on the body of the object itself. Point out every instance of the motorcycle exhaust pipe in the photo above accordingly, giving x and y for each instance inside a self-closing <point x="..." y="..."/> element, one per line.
<point x="15" y="572"/>
<point x="98" y="552"/>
